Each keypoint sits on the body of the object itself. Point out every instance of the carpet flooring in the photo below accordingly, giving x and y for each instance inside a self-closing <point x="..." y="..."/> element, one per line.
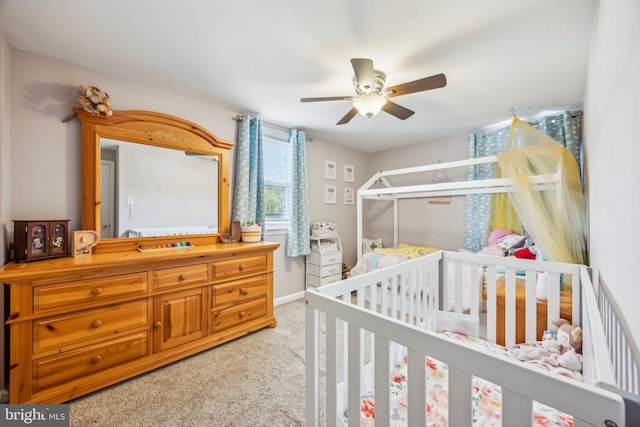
<point x="256" y="380"/>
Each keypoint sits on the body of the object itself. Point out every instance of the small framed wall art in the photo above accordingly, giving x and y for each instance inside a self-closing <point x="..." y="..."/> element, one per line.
<point x="330" y="194"/>
<point x="348" y="195"/>
<point x="329" y="169"/>
<point x="349" y="173"/>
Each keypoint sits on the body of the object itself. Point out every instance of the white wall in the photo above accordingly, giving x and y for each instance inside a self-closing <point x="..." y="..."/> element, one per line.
<point x="343" y="215"/>
<point x="612" y="151"/>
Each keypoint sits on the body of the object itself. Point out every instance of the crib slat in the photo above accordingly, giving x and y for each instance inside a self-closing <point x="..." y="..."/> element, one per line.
<point x="459" y="282"/>
<point x="491" y="303"/>
<point x="516" y="410"/>
<point x="312" y="382"/>
<point x="413" y="297"/>
<point x="553" y="301"/>
<point x="576" y="283"/>
<point x="530" y="306"/>
<point x="354" y="375"/>
<point x="383" y="373"/>
<point x="510" y="307"/>
<point x="475" y="290"/>
<point x="432" y="290"/>
<point x="394" y="296"/>
<point x="460" y="389"/>
<point x="332" y="370"/>
<point x="417" y="390"/>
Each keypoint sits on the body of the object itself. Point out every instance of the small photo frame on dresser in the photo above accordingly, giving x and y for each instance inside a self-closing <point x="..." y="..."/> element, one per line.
<point x="83" y="241"/>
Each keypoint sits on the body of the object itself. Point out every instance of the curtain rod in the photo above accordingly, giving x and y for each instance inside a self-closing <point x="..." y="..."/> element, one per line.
<point x="238" y="118"/>
<point x="506" y="123"/>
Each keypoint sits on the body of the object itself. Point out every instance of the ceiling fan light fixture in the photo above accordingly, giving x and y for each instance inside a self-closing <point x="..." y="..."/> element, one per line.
<point x="369" y="104"/>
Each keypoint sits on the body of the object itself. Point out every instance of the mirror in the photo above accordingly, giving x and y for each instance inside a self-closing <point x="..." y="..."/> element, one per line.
<point x="148" y="191"/>
<point x="151" y="179"/>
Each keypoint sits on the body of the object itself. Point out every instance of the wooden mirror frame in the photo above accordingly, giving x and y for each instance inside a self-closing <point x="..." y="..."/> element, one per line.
<point x="156" y="129"/>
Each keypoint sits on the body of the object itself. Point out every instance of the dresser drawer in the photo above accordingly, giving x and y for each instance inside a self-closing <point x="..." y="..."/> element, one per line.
<point x="324" y="271"/>
<point x="59" y="369"/>
<point x="86" y="292"/>
<point x="240" y="313"/>
<point x="318" y="258"/>
<point x="59" y="331"/>
<point x="180" y="276"/>
<point x="239" y="290"/>
<point x="320" y="281"/>
<point x="235" y="267"/>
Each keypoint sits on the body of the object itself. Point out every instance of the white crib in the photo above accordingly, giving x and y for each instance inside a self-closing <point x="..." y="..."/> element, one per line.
<point x="354" y="326"/>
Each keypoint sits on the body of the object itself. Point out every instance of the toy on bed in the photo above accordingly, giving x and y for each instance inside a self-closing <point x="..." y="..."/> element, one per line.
<point x="558" y="351"/>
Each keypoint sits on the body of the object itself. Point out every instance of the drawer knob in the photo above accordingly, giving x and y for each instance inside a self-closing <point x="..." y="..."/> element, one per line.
<point x="241" y="314"/>
<point x="96" y="359"/>
<point x="241" y="267"/>
<point x="96" y="291"/>
<point x="181" y="277"/>
<point x="96" y="323"/>
<point x="157" y="325"/>
<point x="243" y="291"/>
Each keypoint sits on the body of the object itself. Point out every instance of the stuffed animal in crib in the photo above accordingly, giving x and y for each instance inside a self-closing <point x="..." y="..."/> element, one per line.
<point x="571" y="360"/>
<point x="564" y="348"/>
<point x="527" y="352"/>
<point x="550" y="343"/>
<point x="569" y="336"/>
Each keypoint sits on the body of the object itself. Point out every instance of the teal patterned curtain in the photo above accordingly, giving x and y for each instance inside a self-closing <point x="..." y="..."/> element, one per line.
<point x="248" y="185"/>
<point x="298" y="243"/>
<point x="565" y="128"/>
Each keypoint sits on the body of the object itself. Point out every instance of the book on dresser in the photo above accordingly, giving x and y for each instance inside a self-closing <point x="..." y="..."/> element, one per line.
<point x="324" y="262"/>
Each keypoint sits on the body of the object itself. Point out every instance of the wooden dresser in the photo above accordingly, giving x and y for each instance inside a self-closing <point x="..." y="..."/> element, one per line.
<point x="75" y="325"/>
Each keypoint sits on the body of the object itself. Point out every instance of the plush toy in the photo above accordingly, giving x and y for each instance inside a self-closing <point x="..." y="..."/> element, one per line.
<point x="526" y="352"/>
<point x="550" y="343"/>
<point x="569" y="336"/>
<point x="571" y="360"/>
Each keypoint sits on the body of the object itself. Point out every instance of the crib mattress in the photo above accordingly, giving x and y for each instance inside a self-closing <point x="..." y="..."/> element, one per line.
<point x="486" y="400"/>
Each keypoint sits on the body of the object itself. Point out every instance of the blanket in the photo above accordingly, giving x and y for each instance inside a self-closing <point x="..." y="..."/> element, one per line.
<point x="486" y="396"/>
<point x="407" y="251"/>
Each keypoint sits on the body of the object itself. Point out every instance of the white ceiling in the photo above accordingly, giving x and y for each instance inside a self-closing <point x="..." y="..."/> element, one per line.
<point x="263" y="56"/>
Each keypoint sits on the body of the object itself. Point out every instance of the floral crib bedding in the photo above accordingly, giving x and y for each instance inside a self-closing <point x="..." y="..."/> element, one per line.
<point x="486" y="396"/>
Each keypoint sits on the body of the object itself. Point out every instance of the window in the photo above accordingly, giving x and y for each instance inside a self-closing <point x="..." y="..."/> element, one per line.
<point x="277" y="188"/>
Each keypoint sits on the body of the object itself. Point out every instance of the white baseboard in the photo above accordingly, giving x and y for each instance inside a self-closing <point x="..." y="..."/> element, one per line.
<point x="288" y="298"/>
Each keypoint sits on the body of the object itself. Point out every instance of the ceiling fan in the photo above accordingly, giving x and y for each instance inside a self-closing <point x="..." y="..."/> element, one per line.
<point x="372" y="96"/>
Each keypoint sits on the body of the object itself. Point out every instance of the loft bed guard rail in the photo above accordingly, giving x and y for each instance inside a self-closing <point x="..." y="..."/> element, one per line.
<point x="372" y="191"/>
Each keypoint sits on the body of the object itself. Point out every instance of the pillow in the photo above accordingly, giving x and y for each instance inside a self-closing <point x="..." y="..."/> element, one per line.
<point x="368" y="245"/>
<point x="510" y="241"/>
<point x="497" y="235"/>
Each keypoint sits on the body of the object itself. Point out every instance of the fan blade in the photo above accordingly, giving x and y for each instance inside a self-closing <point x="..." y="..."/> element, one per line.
<point x="427" y="83"/>
<point x="397" y="110"/>
<point x="347" y="117"/>
<point x="327" y="98"/>
<point x="363" y="68"/>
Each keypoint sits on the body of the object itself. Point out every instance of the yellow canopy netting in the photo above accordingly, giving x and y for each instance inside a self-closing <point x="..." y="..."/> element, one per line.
<point x="554" y="218"/>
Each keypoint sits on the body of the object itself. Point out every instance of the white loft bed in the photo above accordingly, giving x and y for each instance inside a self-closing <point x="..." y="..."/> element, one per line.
<point x="371" y="191"/>
<point x="398" y="305"/>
